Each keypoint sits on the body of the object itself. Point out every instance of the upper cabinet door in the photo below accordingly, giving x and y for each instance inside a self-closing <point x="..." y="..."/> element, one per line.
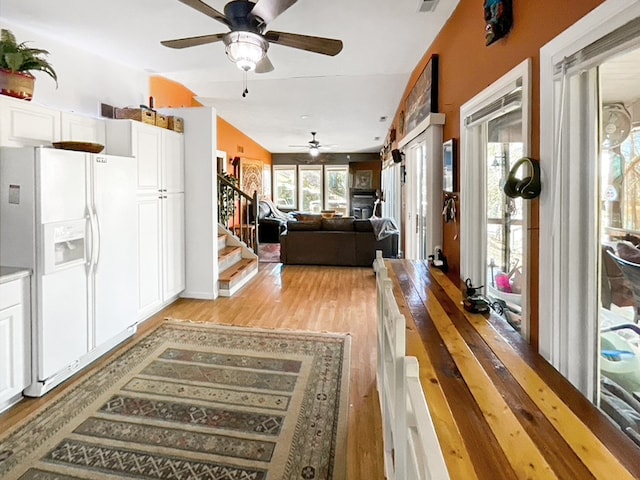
<point x="147" y="148"/>
<point x="173" y="161"/>
<point x="79" y="128"/>
<point x="27" y="124"/>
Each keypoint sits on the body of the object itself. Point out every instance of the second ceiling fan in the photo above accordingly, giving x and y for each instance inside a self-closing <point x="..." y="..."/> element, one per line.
<point x="313" y="145"/>
<point x="247" y="42"/>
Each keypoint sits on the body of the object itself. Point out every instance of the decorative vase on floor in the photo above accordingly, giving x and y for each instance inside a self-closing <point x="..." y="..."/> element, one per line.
<point x="16" y="84"/>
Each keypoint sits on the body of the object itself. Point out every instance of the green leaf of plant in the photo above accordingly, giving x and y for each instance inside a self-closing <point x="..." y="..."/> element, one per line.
<point x="7" y="37"/>
<point x="18" y="57"/>
<point x="14" y="61"/>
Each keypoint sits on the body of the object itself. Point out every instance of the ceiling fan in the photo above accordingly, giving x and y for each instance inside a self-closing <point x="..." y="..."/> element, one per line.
<point x="247" y="43"/>
<point x="313" y="145"/>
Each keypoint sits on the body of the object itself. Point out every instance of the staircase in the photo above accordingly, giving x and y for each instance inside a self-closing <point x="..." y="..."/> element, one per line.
<point x="237" y="236"/>
<point x="237" y="264"/>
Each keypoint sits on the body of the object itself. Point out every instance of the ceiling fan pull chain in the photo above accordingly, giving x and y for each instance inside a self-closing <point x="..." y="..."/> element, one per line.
<point x="244" y="84"/>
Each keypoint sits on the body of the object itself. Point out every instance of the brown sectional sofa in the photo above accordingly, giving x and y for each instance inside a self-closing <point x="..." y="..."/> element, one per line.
<point x="334" y="241"/>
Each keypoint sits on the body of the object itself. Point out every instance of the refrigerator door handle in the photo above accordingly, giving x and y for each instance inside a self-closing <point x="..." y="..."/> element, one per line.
<point x="89" y="243"/>
<point x="95" y="239"/>
<point x="97" y="258"/>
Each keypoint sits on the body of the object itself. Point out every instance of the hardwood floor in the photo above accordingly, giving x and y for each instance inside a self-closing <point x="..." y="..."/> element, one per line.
<point x="500" y="410"/>
<point x="322" y="299"/>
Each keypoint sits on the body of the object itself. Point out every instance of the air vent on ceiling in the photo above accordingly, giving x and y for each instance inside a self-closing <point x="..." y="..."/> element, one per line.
<point x="427" y="5"/>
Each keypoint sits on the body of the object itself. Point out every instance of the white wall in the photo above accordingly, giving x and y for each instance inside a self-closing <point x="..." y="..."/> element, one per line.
<point x="84" y="79"/>
<point x="201" y="200"/>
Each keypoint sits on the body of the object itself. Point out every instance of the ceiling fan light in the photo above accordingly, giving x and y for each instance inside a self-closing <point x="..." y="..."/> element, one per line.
<point x="245" y="49"/>
<point x="246" y="65"/>
<point x="313" y="151"/>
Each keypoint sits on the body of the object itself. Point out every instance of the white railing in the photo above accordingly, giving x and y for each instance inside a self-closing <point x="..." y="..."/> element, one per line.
<point x="424" y="454"/>
<point x="411" y="447"/>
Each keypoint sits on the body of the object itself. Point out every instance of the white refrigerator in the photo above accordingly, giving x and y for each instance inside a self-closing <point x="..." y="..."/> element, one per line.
<point x="71" y="218"/>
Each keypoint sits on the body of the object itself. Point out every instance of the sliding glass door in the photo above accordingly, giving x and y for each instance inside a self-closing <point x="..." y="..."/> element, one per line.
<point x="392" y="194"/>
<point x="416" y="241"/>
<point x="495" y="246"/>
<point x="590" y="216"/>
<point x="423" y="189"/>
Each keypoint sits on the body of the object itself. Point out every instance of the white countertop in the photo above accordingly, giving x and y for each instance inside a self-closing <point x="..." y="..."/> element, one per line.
<point x="9" y="274"/>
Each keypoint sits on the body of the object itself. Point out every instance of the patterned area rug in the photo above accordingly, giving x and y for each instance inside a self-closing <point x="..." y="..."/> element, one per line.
<point x="197" y="401"/>
<point x="269" y="252"/>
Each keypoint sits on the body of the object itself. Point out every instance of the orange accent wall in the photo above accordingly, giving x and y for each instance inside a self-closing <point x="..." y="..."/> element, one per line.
<point x="169" y="94"/>
<point x="467" y="67"/>
<point x="232" y="141"/>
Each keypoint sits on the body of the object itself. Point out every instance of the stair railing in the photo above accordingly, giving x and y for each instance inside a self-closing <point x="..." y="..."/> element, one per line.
<point x="238" y="211"/>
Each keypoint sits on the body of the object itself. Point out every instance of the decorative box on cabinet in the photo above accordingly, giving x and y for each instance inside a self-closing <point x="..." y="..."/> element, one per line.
<point x="15" y="353"/>
<point x="27" y="124"/>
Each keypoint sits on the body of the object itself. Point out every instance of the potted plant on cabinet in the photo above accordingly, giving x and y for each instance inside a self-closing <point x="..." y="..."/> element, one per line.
<point x="16" y="61"/>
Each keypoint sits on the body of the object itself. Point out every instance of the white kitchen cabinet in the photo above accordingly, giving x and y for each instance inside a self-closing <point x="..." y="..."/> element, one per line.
<point x="80" y="128"/>
<point x="150" y="257"/>
<point x="172" y="161"/>
<point x="160" y="156"/>
<point x="173" y="244"/>
<point x="140" y="140"/>
<point x="161" y="267"/>
<point x="15" y="367"/>
<point x="25" y="123"/>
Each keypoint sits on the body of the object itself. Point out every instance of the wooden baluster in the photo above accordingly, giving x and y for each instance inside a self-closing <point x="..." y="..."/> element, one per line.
<point x="255" y="222"/>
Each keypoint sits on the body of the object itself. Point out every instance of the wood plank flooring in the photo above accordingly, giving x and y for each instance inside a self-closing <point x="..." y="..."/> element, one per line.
<point x="500" y="410"/>
<point x="322" y="299"/>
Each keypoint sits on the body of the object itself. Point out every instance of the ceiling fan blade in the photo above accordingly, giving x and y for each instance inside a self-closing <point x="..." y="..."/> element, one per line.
<point x="193" y="41"/>
<point x="264" y="65"/>
<point x="268" y="10"/>
<point x="325" y="46"/>
<point x="202" y="7"/>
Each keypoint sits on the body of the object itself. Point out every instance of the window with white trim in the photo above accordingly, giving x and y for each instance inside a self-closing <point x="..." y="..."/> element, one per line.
<point x="310" y="188"/>
<point x="336" y="191"/>
<point x="285" y="192"/>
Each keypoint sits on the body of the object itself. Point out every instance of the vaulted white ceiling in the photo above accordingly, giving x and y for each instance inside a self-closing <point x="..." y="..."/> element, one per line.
<point x="343" y="98"/>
